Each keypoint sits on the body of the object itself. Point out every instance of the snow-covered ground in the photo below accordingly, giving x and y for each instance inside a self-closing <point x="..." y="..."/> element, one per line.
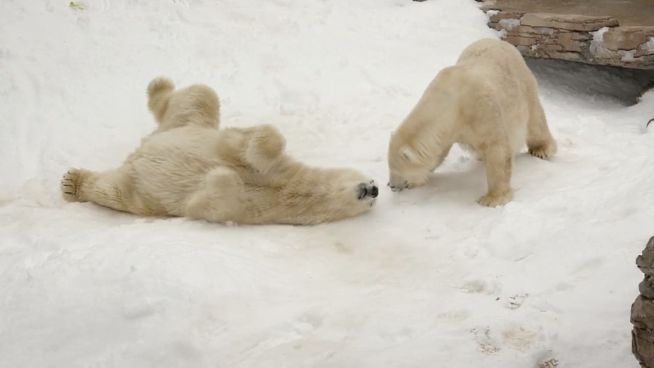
<point x="427" y="279"/>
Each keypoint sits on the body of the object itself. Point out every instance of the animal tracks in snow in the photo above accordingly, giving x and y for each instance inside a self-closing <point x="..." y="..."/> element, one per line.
<point x="487" y="343"/>
<point x="515" y="337"/>
<point x="515" y="302"/>
<point x="477" y="286"/>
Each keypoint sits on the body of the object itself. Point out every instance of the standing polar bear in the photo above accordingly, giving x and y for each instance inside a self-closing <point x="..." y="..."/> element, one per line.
<point x="188" y="167"/>
<point x="488" y="102"/>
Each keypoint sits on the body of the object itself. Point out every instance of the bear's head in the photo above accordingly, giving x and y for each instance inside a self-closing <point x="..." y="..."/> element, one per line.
<point x="408" y="167"/>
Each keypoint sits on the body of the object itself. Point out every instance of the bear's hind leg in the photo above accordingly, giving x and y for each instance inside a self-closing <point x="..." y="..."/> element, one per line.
<point x="539" y="139"/>
<point x="219" y="199"/>
<point x="197" y="105"/>
<point x="498" y="175"/>
<point x="108" y="188"/>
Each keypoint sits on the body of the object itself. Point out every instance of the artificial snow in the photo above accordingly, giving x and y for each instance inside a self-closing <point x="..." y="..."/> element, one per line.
<point x="427" y="279"/>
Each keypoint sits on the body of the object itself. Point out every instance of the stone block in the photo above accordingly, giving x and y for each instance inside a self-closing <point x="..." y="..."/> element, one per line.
<point x="574" y="22"/>
<point x="627" y="38"/>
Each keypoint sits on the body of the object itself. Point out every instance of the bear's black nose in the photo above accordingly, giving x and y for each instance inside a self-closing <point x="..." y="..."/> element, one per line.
<point x="374" y="191"/>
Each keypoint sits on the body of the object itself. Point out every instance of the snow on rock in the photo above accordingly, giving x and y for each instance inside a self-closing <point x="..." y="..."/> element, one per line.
<point x="628" y="55"/>
<point x="649" y="46"/>
<point x="508" y="23"/>
<point x="428" y="278"/>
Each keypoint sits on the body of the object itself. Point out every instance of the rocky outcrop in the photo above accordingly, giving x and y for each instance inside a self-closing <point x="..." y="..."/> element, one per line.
<point x="642" y="311"/>
<point x="588" y="39"/>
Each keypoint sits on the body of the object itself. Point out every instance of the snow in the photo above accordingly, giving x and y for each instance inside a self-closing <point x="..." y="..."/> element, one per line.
<point x="508" y="24"/>
<point x="597" y="44"/>
<point x="598" y="36"/>
<point x="628" y="55"/>
<point x="428" y="278"/>
<point x="649" y="45"/>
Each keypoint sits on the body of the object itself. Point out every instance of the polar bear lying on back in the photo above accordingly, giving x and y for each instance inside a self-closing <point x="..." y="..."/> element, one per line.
<point x="489" y="102"/>
<point x="187" y="167"/>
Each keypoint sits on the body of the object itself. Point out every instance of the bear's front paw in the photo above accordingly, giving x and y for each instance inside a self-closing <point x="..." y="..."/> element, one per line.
<point x="367" y="190"/>
<point x="496" y="199"/>
<point x="70" y="184"/>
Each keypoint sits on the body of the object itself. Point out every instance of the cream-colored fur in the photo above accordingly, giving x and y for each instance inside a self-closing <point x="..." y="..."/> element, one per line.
<point x="488" y="102"/>
<point x="188" y="167"/>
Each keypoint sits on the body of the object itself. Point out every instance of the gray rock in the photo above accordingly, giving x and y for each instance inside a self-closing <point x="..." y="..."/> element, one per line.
<point x="642" y="310"/>
<point x="646" y="287"/>
<point x="645" y="261"/>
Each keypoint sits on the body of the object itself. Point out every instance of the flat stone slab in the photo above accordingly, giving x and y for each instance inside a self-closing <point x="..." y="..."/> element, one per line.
<point x="572" y="22"/>
<point x="592" y="39"/>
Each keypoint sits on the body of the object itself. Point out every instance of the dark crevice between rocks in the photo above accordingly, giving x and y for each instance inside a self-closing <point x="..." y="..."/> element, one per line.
<point x="619" y="84"/>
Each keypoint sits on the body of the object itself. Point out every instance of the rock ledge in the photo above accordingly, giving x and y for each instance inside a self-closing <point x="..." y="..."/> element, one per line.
<point x="588" y="39"/>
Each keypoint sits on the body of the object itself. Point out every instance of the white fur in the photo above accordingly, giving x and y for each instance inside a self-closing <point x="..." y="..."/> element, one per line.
<point x="489" y="102"/>
<point x="187" y="167"/>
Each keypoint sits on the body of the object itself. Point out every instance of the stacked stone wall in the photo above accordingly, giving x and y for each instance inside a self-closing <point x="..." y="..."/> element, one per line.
<point x="588" y="39"/>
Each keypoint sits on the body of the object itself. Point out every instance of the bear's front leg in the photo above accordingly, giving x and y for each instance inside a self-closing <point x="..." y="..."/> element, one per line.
<point x="498" y="175"/>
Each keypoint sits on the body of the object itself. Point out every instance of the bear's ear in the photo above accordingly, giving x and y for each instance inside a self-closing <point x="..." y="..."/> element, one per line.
<point x="409" y="154"/>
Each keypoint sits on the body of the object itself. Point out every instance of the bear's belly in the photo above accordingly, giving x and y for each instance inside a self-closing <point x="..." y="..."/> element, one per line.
<point x="169" y="168"/>
<point x="518" y="138"/>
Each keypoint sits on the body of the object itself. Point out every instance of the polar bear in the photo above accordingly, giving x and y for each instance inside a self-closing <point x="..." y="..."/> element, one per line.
<point x="487" y="102"/>
<point x="188" y="167"/>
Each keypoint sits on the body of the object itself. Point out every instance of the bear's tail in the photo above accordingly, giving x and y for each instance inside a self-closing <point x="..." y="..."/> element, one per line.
<point x="159" y="91"/>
